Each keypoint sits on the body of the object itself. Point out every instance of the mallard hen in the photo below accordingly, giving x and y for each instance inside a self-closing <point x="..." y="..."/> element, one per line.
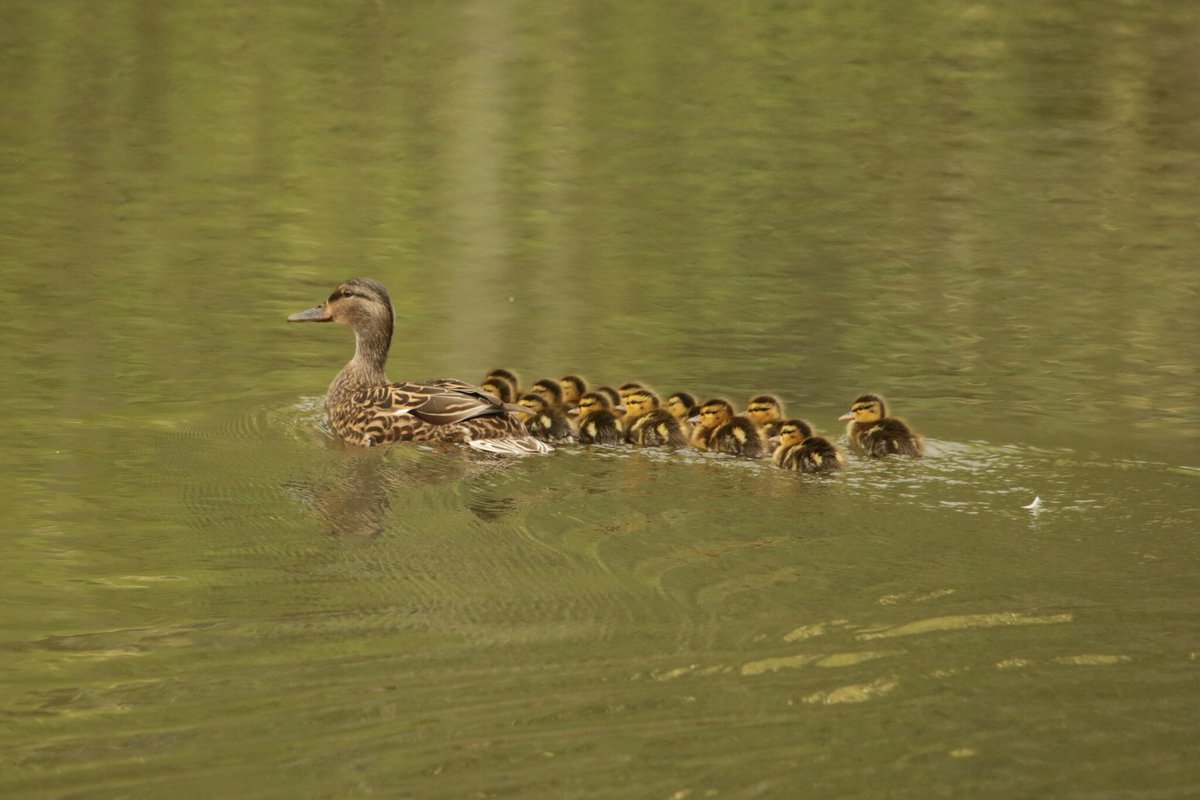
<point x="366" y="409"/>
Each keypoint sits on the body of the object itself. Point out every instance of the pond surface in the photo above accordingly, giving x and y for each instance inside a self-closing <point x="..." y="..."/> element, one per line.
<point x="986" y="212"/>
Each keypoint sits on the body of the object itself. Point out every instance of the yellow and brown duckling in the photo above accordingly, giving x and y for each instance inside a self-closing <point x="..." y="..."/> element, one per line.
<point x="627" y="389"/>
<point x="801" y="450"/>
<point x="500" y="386"/>
<point x="875" y="434"/>
<point x="365" y="409"/>
<point x="597" y="423"/>
<point x="614" y="399"/>
<point x="549" y="390"/>
<point x="765" y="411"/>
<point x="683" y="407"/>
<point x="648" y="425"/>
<point x="719" y="429"/>
<point x="544" y="420"/>
<point x="573" y="387"/>
<point x="500" y="377"/>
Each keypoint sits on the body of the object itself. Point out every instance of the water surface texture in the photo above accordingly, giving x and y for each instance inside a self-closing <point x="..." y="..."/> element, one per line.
<point x="987" y="212"/>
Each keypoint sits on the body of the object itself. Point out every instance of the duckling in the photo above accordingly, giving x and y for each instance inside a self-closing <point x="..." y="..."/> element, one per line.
<point x="614" y="400"/>
<point x="545" y="421"/>
<point x="683" y="407"/>
<point x="647" y="425"/>
<point x="507" y="375"/>
<point x="500" y="386"/>
<point x="365" y="409"/>
<point x="765" y="411"/>
<point x="612" y="395"/>
<point x="875" y="434"/>
<point x="597" y="422"/>
<point x="800" y="450"/>
<point x="627" y="389"/>
<point x="549" y="390"/>
<point x="573" y="387"/>
<point x="720" y="430"/>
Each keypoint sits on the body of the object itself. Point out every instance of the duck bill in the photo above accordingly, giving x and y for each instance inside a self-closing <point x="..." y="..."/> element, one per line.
<point x="314" y="314"/>
<point x="847" y="415"/>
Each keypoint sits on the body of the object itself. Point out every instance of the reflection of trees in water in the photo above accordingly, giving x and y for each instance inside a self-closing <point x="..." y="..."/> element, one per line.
<point x="355" y="500"/>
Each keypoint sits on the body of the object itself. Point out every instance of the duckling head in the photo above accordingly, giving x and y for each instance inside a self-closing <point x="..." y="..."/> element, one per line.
<point x="549" y="390"/>
<point x="614" y="397"/>
<point x="866" y="408"/>
<point x="506" y="390"/>
<point x="627" y="389"/>
<point x="534" y="402"/>
<point x="593" y="402"/>
<point x="715" y="412"/>
<point x="507" y="375"/>
<point x="573" y="387"/>
<point x="639" y="402"/>
<point x="681" y="405"/>
<point x="764" y="409"/>
<point x="794" y="431"/>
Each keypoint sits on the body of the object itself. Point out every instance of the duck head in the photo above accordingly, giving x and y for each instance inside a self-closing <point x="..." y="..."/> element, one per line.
<point x="793" y="432"/>
<point x="764" y="409"/>
<point x="356" y="301"/>
<point x="866" y="408"/>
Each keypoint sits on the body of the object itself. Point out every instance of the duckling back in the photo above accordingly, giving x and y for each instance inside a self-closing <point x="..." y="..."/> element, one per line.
<point x="656" y="429"/>
<point x="545" y="422"/>
<point x="739" y="436"/>
<point x="815" y="454"/>
<point x="889" y="436"/>
<point x="601" y="427"/>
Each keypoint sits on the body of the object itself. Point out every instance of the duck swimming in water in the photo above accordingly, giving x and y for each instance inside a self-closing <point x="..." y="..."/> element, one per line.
<point x="648" y="425"/>
<point x="719" y="429"/>
<point x="765" y="411"/>
<point x="573" y="387"/>
<point x="544" y="420"/>
<point x="875" y="434"/>
<point x="597" y="422"/>
<point x="365" y="409"/>
<point x="683" y="407"/>
<point x="800" y="450"/>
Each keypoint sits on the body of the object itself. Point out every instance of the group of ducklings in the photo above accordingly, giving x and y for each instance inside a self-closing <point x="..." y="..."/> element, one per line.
<point x="566" y="410"/>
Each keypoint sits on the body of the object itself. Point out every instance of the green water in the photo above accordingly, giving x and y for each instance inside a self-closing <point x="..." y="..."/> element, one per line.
<point x="987" y="212"/>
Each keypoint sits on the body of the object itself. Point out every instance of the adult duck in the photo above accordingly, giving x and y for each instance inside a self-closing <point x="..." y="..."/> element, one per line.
<point x="366" y="409"/>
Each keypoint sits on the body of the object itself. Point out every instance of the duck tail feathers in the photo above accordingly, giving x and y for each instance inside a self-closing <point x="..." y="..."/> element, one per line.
<point x="525" y="446"/>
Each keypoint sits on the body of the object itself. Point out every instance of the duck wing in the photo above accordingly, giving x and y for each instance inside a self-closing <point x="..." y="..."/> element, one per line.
<point x="442" y="402"/>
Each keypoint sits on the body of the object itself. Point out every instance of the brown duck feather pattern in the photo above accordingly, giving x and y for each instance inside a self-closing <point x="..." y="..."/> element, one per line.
<point x="438" y="411"/>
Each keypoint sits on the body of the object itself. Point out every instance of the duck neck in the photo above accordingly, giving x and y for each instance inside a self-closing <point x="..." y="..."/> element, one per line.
<point x="367" y="368"/>
<point x="370" y="353"/>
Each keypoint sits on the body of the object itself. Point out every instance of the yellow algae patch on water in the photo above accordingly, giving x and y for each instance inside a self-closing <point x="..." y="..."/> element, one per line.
<point x="854" y="693"/>
<point x="967" y="622"/>
<point x="1093" y="660"/>
<point x="893" y="599"/>
<point x="806" y="632"/>
<point x="1013" y="663"/>
<point x="775" y="664"/>
<point x="850" y="659"/>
